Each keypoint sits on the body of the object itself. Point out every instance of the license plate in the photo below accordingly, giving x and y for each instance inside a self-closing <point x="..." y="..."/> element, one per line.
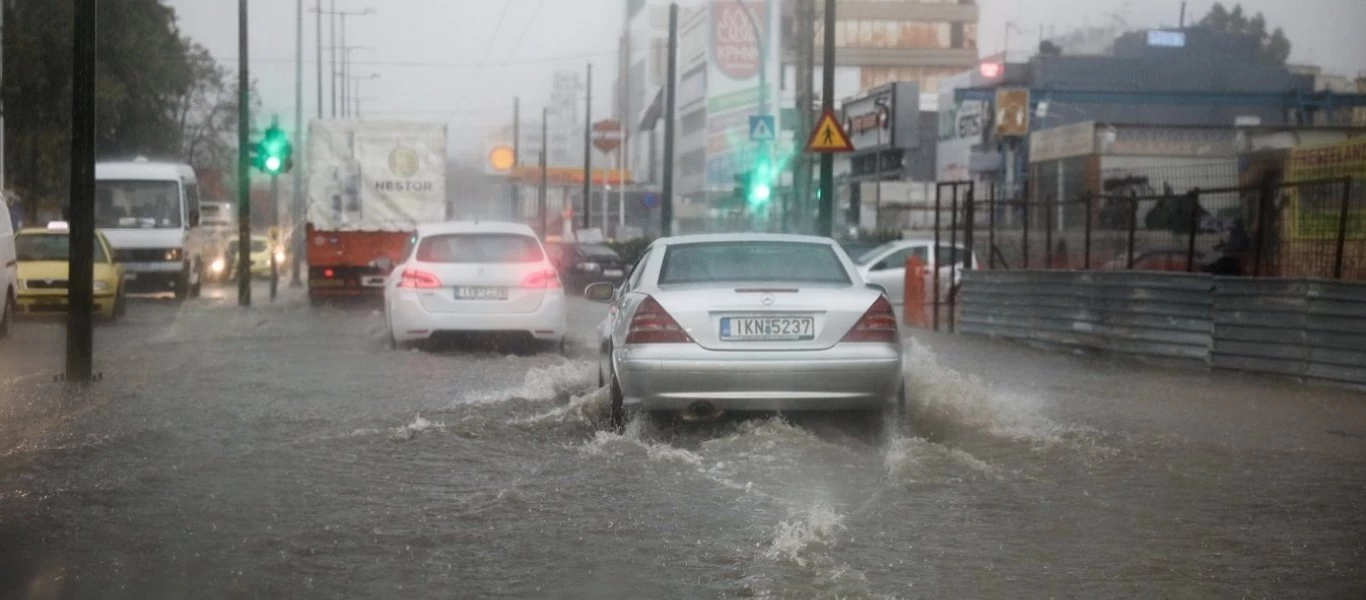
<point x="130" y="276"/>
<point x="481" y="293"/>
<point x="613" y="273"/>
<point x="372" y="281"/>
<point x="768" y="328"/>
<point x="49" y="301"/>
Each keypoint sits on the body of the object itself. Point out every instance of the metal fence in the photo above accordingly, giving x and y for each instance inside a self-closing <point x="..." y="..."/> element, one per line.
<point x="1296" y="229"/>
<point x="1306" y="328"/>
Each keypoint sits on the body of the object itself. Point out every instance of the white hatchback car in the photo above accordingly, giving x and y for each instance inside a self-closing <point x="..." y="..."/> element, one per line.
<point x="474" y="277"/>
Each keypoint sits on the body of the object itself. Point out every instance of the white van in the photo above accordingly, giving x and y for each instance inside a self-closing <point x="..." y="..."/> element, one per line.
<point x="150" y="214"/>
<point x="9" y="285"/>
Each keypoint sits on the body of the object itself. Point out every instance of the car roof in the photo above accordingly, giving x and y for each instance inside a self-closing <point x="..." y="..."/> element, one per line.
<point x="744" y="237"/>
<point x="427" y="229"/>
<point x="143" y="171"/>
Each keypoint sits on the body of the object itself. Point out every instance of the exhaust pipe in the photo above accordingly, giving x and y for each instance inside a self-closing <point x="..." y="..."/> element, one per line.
<point x="702" y="411"/>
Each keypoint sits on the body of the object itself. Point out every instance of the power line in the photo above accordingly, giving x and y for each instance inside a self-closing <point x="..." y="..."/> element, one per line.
<point x="496" y="28"/>
<point x="444" y="64"/>
<point x="522" y="36"/>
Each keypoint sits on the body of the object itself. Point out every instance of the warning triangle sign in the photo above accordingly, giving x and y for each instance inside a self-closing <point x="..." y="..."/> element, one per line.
<point x="828" y="136"/>
<point x="761" y="131"/>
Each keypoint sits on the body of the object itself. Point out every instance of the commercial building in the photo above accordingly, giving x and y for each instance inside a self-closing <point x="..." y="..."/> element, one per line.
<point x="720" y="75"/>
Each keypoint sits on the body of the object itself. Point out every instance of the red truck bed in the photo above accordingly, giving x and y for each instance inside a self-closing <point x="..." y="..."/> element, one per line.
<point x="343" y="263"/>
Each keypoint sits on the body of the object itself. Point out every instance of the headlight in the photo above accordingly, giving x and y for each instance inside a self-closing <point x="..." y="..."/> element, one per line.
<point x="217" y="266"/>
<point x="101" y="286"/>
<point x="591" y="267"/>
<point x="173" y="254"/>
<point x="279" y="256"/>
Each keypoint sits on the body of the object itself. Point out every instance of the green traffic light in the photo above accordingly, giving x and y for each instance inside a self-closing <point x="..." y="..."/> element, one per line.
<point x="761" y="192"/>
<point x="274" y="152"/>
<point x="273" y="164"/>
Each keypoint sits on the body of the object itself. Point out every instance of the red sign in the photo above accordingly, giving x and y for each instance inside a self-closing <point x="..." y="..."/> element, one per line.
<point x="734" y="47"/>
<point x="607" y="135"/>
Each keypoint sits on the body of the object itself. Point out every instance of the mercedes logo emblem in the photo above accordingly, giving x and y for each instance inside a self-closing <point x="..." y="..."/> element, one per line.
<point x="767" y="300"/>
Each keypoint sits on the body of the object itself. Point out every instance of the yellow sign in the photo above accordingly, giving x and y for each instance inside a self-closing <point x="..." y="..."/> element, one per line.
<point x="1012" y="112"/>
<point x="1316" y="207"/>
<point x="829" y="137"/>
<point x="501" y="158"/>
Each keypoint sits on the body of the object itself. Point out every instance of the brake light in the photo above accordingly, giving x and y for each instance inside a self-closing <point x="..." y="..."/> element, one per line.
<point x="653" y="325"/>
<point x="878" y="324"/>
<point x="542" y="280"/>
<point x="413" y="278"/>
<point x="328" y="273"/>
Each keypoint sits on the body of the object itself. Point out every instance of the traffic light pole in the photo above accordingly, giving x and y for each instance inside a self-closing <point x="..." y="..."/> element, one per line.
<point x="274" y="238"/>
<point x="666" y="202"/>
<point x="825" y="218"/>
<point x="243" y="161"/>
<point x="80" y="335"/>
<point x="296" y="230"/>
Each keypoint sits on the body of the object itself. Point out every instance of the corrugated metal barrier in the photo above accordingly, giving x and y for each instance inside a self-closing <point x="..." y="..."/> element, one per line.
<point x="1312" y="329"/>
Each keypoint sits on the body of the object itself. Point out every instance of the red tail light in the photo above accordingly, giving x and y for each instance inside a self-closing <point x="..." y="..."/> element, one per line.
<point x="328" y="273"/>
<point x="878" y="324"/>
<point x="542" y="280"/>
<point x="653" y="325"/>
<point x="413" y="278"/>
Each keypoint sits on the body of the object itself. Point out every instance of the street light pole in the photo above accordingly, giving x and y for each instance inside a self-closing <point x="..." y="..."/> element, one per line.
<point x="332" y="23"/>
<point x="243" y="161"/>
<point x="80" y="334"/>
<point x="296" y="230"/>
<point x="588" y="152"/>
<point x="666" y="203"/>
<point x="825" y="219"/>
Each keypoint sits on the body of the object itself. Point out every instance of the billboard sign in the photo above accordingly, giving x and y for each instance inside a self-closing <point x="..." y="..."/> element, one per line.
<point x="734" y="47"/>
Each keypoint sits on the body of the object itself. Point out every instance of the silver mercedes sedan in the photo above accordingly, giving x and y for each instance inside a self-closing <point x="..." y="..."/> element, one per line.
<point x="748" y="322"/>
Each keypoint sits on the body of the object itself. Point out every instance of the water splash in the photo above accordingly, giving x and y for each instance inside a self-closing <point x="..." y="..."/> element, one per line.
<point x="808" y="531"/>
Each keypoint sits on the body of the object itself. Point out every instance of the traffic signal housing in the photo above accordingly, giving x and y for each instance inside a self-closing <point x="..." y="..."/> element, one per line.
<point x="273" y="155"/>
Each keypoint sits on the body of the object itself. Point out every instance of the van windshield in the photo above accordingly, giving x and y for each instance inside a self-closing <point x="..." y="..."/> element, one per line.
<point x="137" y="204"/>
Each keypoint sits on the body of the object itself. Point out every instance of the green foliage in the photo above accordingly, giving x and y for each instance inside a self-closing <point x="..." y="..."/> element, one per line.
<point x="1274" y="46"/>
<point x="150" y="83"/>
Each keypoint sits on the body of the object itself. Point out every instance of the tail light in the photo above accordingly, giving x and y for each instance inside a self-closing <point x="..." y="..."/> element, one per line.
<point x="653" y="325"/>
<point x="542" y="280"/>
<point x="413" y="278"/>
<point x="878" y="324"/>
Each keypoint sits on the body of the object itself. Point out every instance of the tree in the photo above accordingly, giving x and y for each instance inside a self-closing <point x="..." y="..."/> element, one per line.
<point x="146" y="72"/>
<point x="1273" y="48"/>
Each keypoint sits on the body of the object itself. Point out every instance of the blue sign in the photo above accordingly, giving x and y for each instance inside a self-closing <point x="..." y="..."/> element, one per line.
<point x="762" y="128"/>
<point x="650" y="200"/>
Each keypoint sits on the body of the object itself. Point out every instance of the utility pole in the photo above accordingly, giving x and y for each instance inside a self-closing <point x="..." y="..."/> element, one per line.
<point x="274" y="239"/>
<point x="588" y="152"/>
<point x="243" y="160"/>
<point x="80" y="323"/>
<point x="543" y="191"/>
<point x="516" y="156"/>
<point x="319" y="27"/>
<point x="345" y="58"/>
<point x="296" y="235"/>
<point x="332" y="23"/>
<point x="624" y="152"/>
<point x="666" y="203"/>
<point x="801" y="167"/>
<point x="825" y="219"/>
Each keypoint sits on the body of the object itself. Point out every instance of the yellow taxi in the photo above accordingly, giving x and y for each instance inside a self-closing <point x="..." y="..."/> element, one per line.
<point x="42" y="255"/>
<point x="261" y="249"/>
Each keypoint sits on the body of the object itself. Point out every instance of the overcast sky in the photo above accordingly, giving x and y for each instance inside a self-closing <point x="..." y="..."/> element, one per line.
<point x="462" y="61"/>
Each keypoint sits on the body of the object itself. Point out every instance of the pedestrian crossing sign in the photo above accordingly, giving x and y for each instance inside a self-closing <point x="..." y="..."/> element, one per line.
<point x="828" y="137"/>
<point x="761" y="128"/>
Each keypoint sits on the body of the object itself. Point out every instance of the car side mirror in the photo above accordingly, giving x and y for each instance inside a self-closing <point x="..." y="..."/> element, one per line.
<point x="194" y="218"/>
<point x="602" y="292"/>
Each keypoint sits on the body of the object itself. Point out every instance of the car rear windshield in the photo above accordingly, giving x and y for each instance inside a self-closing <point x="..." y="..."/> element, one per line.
<point x="789" y="262"/>
<point x="259" y="245"/>
<point x="49" y="246"/>
<point x="479" y="248"/>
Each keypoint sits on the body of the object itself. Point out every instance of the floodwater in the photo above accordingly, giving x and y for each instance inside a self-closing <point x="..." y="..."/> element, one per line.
<point x="282" y="452"/>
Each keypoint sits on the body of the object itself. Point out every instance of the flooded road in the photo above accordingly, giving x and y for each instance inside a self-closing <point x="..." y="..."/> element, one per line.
<point x="283" y="452"/>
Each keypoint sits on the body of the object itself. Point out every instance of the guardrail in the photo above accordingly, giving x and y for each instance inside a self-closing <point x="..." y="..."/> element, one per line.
<point x="1305" y="328"/>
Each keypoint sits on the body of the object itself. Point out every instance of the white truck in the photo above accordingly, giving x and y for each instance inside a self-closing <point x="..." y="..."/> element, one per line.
<point x="149" y="212"/>
<point x="369" y="184"/>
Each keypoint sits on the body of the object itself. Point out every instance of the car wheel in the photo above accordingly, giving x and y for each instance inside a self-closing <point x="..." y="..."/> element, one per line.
<point x="895" y="414"/>
<point x="616" y="419"/>
<point x="182" y="286"/>
<point x="197" y="287"/>
<point x="564" y="346"/>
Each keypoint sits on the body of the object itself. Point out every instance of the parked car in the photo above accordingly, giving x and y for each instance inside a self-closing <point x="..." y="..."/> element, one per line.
<point x="709" y="324"/>
<point x="886" y="265"/>
<point x="581" y="265"/>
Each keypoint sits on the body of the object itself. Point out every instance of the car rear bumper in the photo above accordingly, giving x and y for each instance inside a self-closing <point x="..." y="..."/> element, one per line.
<point x="669" y="377"/>
<point x="409" y="321"/>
